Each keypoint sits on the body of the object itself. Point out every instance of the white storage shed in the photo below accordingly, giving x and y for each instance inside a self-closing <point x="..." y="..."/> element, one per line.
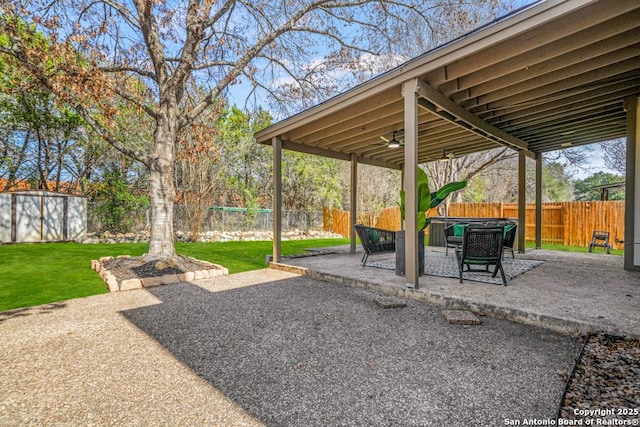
<point x="42" y="216"/>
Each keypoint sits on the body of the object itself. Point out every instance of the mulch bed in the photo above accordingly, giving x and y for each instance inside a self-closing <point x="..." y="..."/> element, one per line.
<point x="607" y="377"/>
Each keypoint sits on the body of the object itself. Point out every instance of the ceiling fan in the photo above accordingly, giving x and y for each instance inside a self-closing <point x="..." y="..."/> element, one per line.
<point x="393" y="142"/>
<point x="446" y="156"/>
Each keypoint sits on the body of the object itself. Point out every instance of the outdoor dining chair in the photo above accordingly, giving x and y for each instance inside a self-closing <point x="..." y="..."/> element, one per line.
<point x="509" y="237"/>
<point x="375" y="241"/>
<point x="481" y="246"/>
<point x="453" y="235"/>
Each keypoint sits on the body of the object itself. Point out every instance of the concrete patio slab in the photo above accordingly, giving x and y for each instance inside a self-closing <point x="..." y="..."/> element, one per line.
<point x="568" y="292"/>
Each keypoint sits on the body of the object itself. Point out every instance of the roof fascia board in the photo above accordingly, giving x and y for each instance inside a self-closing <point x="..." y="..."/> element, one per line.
<point x="301" y="148"/>
<point x="428" y="62"/>
<point x="378" y="163"/>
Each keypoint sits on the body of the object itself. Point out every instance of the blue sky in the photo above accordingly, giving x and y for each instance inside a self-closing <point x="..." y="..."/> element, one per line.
<point x="239" y="93"/>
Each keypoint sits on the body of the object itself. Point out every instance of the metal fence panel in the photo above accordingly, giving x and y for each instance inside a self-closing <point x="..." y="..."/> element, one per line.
<point x="221" y="220"/>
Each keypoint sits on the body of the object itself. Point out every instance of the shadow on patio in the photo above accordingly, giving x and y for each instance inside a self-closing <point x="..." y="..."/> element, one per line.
<point x="568" y="292"/>
<point x="299" y="351"/>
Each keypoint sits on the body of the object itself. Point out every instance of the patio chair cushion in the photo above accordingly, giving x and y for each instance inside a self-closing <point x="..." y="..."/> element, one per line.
<point x="458" y="229"/>
<point x="373" y="235"/>
<point x="508" y="228"/>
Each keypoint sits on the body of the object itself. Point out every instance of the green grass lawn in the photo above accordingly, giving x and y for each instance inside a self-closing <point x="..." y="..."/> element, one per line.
<point x="33" y="274"/>
<point x="557" y="247"/>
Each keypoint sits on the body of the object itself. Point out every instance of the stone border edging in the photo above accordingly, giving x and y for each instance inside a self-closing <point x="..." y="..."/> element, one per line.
<point x="147" y="282"/>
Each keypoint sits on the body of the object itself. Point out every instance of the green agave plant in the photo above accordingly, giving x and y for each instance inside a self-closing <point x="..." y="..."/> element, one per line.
<point x="429" y="200"/>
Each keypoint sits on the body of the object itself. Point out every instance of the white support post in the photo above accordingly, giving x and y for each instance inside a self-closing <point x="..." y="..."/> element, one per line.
<point x="538" y="200"/>
<point x="632" y="186"/>
<point x="277" y="198"/>
<point x="410" y="95"/>
<point x="522" y="200"/>
<point x="354" y="201"/>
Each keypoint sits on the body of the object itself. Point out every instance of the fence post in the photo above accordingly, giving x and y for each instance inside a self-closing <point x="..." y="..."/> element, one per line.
<point x="565" y="225"/>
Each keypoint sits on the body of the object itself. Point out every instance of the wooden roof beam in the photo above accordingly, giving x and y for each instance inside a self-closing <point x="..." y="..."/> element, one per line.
<point x="592" y="138"/>
<point x="437" y="103"/>
<point x="426" y="157"/>
<point x="581" y="102"/>
<point x="357" y="137"/>
<point x="354" y="111"/>
<point x="603" y="66"/>
<point x="570" y="118"/>
<point x="567" y="133"/>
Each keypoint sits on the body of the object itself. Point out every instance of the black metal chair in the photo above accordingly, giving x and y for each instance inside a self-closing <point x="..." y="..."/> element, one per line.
<point x="600" y="239"/>
<point x="481" y="246"/>
<point x="375" y="241"/>
<point x="510" y="237"/>
<point x="453" y="236"/>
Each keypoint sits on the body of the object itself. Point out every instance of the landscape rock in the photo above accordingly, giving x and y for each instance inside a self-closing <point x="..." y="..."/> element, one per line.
<point x="130" y="284"/>
<point x="606" y="376"/>
<point x="169" y="279"/>
<point x="201" y="274"/>
<point x="187" y="276"/>
<point x="209" y="236"/>
<point x="149" y="282"/>
<point x="461" y="317"/>
<point x="112" y="283"/>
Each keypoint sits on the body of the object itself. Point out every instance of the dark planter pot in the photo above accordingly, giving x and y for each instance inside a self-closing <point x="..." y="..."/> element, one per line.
<point x="400" y="255"/>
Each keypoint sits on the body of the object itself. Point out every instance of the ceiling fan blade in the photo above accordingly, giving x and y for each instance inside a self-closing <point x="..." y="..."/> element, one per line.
<point x="446" y="156"/>
<point x="393" y="142"/>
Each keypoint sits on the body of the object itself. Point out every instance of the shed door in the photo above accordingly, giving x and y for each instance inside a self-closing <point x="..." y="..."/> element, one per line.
<point x="5" y="217"/>
<point x="53" y="218"/>
<point x="28" y="219"/>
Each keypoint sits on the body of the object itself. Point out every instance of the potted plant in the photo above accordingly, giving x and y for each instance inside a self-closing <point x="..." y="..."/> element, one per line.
<point x="426" y="200"/>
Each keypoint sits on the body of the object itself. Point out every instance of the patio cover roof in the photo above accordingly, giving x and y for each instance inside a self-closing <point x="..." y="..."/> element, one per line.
<point x="556" y="74"/>
<point x="552" y="75"/>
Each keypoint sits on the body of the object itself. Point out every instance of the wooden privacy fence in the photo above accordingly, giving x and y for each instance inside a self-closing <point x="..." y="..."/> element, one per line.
<point x="564" y="223"/>
<point x="337" y="221"/>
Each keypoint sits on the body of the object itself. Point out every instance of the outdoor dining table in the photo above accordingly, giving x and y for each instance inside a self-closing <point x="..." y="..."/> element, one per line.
<point x="454" y="232"/>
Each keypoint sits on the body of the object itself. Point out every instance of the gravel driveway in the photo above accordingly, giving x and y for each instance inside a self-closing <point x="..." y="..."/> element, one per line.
<point x="289" y="351"/>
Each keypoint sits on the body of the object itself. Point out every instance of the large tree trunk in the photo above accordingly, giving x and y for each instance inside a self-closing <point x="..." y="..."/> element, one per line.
<point x="162" y="190"/>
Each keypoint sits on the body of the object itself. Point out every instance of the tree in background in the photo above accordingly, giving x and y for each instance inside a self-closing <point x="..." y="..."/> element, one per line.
<point x="245" y="169"/>
<point x="489" y="175"/>
<point x="219" y="164"/>
<point x="101" y="54"/>
<point x="583" y="188"/>
<point x="615" y="155"/>
<point x="378" y="187"/>
<point x="557" y="185"/>
<point x="394" y="33"/>
<point x="310" y="182"/>
<point x="118" y="209"/>
<point x="36" y="136"/>
<point x="196" y="158"/>
<point x="498" y="181"/>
